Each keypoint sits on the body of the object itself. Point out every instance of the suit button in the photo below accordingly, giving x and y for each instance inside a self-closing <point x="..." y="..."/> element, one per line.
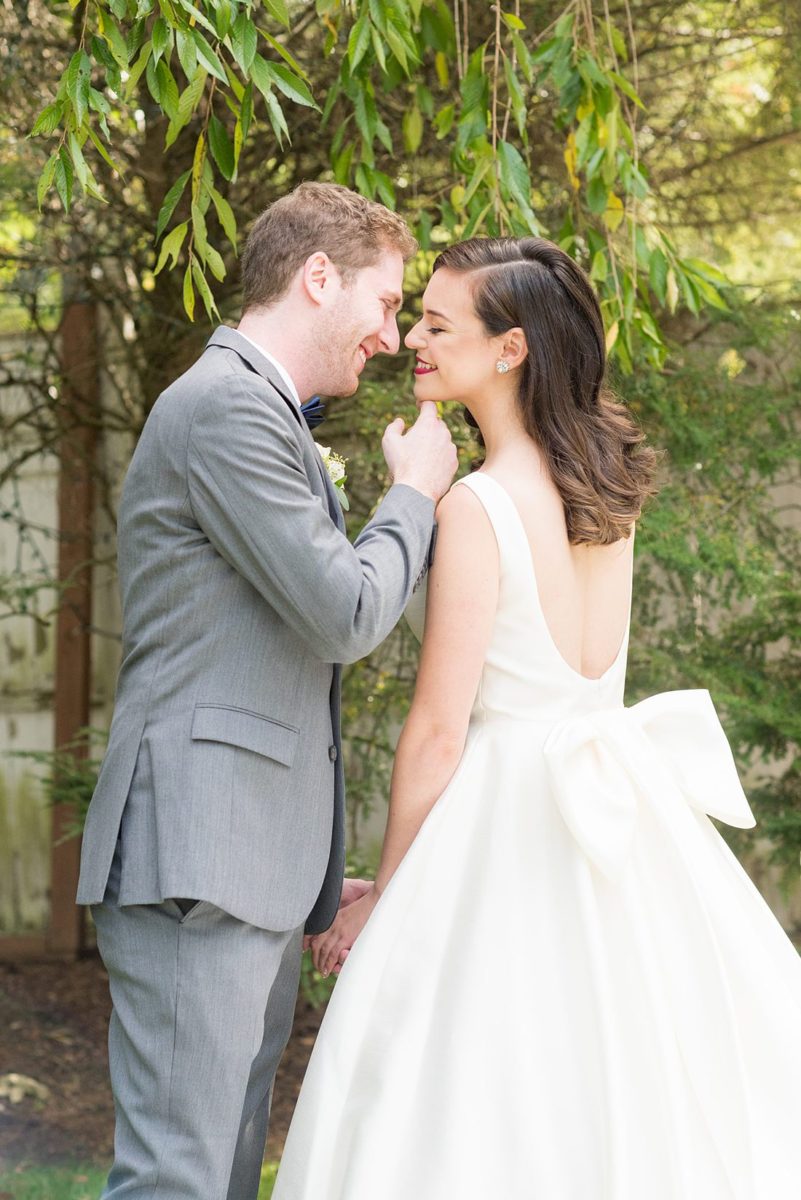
<point x="332" y="753"/>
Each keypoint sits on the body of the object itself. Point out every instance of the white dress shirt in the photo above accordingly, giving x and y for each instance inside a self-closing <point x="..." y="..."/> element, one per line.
<point x="282" y="371"/>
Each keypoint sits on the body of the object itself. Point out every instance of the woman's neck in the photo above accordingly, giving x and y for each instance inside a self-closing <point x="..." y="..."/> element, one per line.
<point x="502" y="429"/>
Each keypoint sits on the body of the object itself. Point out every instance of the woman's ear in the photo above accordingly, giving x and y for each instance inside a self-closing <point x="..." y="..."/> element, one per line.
<point x="514" y="348"/>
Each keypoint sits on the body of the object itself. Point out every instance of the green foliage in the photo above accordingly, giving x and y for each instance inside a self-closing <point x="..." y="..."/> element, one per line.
<point x="52" y="1183"/>
<point x="69" y="774"/>
<point x="82" y="1183"/>
<point x="224" y="66"/>
<point x="719" y="558"/>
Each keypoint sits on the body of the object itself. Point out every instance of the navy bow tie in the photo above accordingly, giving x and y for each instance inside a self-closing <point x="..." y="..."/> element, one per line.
<point x="313" y="412"/>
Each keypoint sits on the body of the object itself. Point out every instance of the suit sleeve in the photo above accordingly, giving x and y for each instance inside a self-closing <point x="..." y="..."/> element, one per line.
<point x="250" y="495"/>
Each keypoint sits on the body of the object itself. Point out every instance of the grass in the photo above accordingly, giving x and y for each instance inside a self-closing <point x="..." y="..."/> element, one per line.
<point x="79" y="1183"/>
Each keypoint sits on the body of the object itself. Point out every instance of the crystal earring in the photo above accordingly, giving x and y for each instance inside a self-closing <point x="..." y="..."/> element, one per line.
<point x="501" y="366"/>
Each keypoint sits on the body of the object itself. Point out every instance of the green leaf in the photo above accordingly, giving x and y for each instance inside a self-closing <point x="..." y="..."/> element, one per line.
<point x="137" y="70"/>
<point x="282" y="51"/>
<point x="413" y="129"/>
<point x="244" y="42"/>
<point x="443" y="121"/>
<point x="222" y="150"/>
<point x="277" y="118"/>
<point x="358" y="41"/>
<point x="78" y="160"/>
<point x="208" y="57"/>
<point x="378" y="48"/>
<point x="626" y="88"/>
<point x="657" y="275"/>
<point x="46" y="179"/>
<point x="705" y="270"/>
<point x="617" y="40"/>
<point x="710" y="293"/>
<point x="103" y="152"/>
<point x="279" y="10"/>
<point x="153" y="82"/>
<point x="204" y="289"/>
<point x="225" y="215"/>
<point x="187" y="52"/>
<point x="64" y="175"/>
<point x="513" y="21"/>
<point x="513" y="173"/>
<point x="215" y="263"/>
<point x="342" y="165"/>
<point x="171" y="247"/>
<point x="161" y="37"/>
<point x="516" y="98"/>
<point x="385" y="189"/>
<point x="261" y="75"/>
<point x="596" y="196"/>
<point x="168" y="89"/>
<point x="398" y="47"/>
<point x="47" y="120"/>
<point x="197" y="14"/>
<point x="189" y="291"/>
<point x="289" y="83"/>
<point x="78" y="82"/>
<point x="117" y="45"/>
<point x="223" y="13"/>
<point x="199" y="230"/>
<point x="246" y="110"/>
<point x="170" y="203"/>
<point x="599" y="269"/>
<point x="186" y="106"/>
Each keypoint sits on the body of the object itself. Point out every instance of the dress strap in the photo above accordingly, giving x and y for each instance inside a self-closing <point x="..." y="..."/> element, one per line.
<point x="504" y="519"/>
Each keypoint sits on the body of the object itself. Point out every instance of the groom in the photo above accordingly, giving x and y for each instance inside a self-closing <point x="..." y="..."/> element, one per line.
<point x="216" y="833"/>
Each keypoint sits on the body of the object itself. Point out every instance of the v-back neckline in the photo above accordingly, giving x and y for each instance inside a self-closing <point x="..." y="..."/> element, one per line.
<point x="510" y="503"/>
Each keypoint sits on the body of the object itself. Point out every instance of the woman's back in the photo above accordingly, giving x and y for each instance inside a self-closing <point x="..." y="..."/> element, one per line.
<point x="584" y="591"/>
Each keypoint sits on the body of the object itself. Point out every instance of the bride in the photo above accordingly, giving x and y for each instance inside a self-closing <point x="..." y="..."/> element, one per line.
<point x="567" y="988"/>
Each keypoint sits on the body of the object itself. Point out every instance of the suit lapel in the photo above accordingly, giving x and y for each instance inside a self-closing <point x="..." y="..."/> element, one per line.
<point x="230" y="339"/>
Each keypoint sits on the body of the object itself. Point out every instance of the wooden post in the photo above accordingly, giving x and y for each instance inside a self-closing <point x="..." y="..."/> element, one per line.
<point x="79" y="370"/>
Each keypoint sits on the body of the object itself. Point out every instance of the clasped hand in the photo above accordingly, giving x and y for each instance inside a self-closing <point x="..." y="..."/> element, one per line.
<point x="330" y="949"/>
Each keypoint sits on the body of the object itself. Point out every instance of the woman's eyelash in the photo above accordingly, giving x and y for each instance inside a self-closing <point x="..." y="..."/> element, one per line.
<point x="435" y="329"/>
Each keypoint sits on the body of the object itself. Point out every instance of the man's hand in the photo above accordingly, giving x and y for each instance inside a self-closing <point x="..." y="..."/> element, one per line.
<point x="424" y="457"/>
<point x="352" y="889"/>
<point x="330" y="949"/>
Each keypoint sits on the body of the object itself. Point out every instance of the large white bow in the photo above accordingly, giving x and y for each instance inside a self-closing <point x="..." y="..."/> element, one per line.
<point x="604" y="764"/>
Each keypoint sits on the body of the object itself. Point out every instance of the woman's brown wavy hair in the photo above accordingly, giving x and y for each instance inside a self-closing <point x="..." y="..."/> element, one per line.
<point x="595" y="451"/>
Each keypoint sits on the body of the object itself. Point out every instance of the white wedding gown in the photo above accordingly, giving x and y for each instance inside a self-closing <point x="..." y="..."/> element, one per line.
<point x="570" y="989"/>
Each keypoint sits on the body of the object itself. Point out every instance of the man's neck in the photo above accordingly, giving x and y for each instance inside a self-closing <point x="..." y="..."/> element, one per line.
<point x="274" y="332"/>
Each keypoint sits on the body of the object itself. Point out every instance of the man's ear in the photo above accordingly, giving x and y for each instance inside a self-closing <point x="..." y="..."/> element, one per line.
<point x="514" y="347"/>
<point x="319" y="277"/>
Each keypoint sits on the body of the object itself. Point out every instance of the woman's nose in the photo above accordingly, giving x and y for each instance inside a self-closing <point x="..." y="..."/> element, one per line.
<point x="413" y="341"/>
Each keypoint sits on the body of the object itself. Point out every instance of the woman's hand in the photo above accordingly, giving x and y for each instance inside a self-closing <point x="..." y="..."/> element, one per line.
<point x="327" y="948"/>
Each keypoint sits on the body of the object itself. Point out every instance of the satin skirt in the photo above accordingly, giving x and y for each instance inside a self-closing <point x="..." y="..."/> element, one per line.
<point x="521" y="1021"/>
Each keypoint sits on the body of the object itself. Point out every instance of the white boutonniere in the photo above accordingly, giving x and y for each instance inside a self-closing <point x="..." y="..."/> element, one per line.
<point x="337" y="469"/>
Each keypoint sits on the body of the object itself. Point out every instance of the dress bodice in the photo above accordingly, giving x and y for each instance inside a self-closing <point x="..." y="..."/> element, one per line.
<point x="525" y="676"/>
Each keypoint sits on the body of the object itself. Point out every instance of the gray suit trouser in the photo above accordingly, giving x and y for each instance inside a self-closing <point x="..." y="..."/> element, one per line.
<point x="203" y="1007"/>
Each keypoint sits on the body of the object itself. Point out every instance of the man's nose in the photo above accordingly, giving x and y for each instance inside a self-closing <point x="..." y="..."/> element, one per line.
<point x="390" y="336"/>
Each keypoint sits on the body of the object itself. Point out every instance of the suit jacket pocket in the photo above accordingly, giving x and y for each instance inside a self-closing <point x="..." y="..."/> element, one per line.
<point x="246" y="729"/>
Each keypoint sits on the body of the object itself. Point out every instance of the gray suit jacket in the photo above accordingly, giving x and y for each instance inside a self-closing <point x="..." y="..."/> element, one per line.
<point x="223" y="774"/>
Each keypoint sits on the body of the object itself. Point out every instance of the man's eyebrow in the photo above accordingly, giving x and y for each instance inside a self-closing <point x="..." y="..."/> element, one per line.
<point x="393" y="300"/>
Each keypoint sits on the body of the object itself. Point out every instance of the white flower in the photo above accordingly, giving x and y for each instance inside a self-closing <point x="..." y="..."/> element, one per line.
<point x="337" y="469"/>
